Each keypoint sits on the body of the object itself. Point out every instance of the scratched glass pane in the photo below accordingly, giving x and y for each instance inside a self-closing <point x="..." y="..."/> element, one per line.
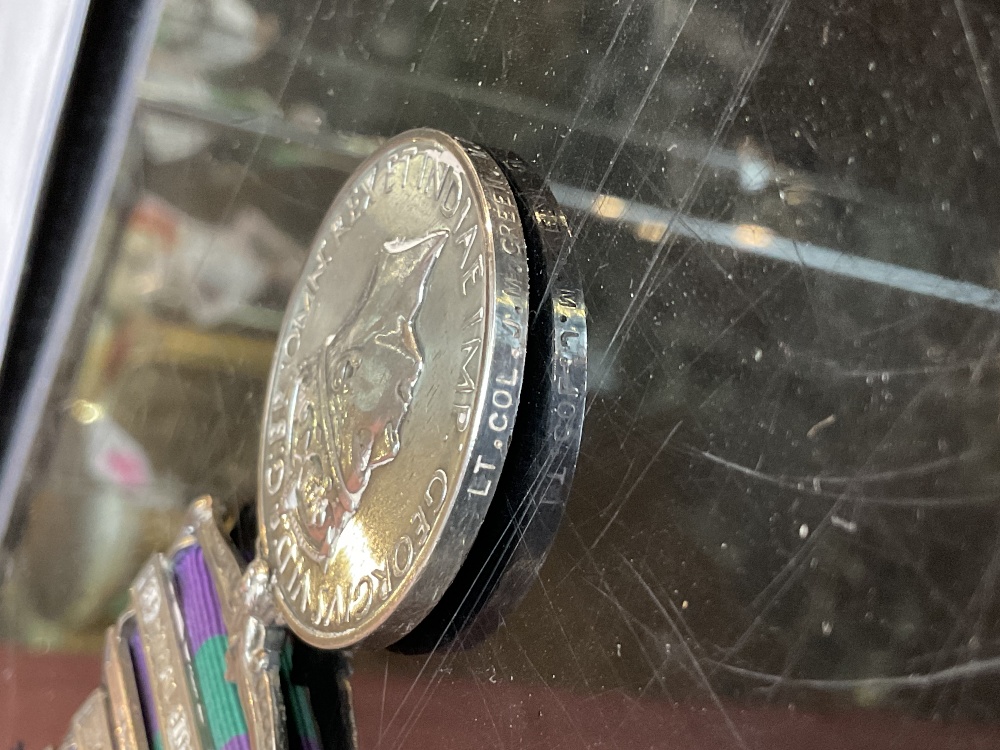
<point x="785" y="525"/>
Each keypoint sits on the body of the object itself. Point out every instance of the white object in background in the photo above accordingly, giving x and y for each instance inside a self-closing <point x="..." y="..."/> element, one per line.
<point x="38" y="47"/>
<point x="115" y="457"/>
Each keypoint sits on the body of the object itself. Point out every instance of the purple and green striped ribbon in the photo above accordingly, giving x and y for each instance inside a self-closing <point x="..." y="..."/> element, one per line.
<point x="206" y="637"/>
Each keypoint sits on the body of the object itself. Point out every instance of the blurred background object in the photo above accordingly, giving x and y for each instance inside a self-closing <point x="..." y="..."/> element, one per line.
<point x="38" y="46"/>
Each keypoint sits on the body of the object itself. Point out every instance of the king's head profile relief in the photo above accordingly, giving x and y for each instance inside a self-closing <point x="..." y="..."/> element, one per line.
<point x="352" y="394"/>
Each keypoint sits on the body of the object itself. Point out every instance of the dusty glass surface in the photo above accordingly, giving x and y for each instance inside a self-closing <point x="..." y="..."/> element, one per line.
<point x="785" y="528"/>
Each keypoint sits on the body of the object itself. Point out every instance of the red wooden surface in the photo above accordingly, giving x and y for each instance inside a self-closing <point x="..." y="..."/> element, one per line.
<point x="39" y="693"/>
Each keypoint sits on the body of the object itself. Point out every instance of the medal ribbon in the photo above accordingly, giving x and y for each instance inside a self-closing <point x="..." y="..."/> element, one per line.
<point x="207" y="642"/>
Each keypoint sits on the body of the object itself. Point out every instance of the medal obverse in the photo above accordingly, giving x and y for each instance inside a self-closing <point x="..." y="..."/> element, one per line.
<point x="393" y="391"/>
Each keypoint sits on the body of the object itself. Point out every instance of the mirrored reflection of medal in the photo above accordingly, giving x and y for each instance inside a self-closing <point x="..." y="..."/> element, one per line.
<point x="436" y="291"/>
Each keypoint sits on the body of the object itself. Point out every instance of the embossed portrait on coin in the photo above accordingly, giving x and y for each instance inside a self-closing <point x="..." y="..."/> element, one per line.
<point x="352" y="395"/>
